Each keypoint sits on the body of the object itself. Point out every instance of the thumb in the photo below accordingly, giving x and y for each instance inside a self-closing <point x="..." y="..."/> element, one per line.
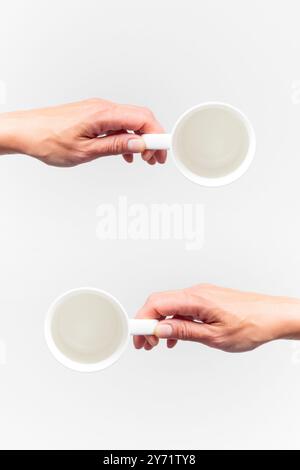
<point x="118" y="144"/>
<point x="183" y="329"/>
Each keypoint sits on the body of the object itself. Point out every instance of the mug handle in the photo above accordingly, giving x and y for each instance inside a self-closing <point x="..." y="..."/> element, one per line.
<point x="142" y="327"/>
<point x="157" y="141"/>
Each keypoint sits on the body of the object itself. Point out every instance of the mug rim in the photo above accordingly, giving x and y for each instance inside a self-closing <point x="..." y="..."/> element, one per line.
<point x="65" y="360"/>
<point x="230" y="177"/>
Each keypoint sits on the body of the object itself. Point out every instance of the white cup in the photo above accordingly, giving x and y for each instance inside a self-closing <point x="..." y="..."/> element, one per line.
<point x="212" y="143"/>
<point x="87" y="329"/>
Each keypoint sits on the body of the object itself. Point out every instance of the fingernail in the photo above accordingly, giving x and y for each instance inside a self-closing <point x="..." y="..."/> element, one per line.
<point x="136" y="145"/>
<point x="164" y="331"/>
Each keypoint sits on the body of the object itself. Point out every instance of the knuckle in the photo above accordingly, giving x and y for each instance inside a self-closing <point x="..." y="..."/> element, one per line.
<point x="99" y="103"/>
<point x="82" y="150"/>
<point x="95" y="99"/>
<point x="115" y="146"/>
<point x="153" y="297"/>
<point x="88" y="153"/>
<point x="183" y="331"/>
<point x="81" y="155"/>
<point x="205" y="286"/>
<point x="147" y="111"/>
<point x="218" y="340"/>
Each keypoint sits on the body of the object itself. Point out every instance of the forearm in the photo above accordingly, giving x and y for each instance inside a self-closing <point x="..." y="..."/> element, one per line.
<point x="8" y="134"/>
<point x="289" y="311"/>
<point x="230" y="320"/>
<point x="67" y="135"/>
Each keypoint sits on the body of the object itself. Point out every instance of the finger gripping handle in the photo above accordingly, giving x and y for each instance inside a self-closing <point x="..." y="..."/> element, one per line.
<point x="142" y="327"/>
<point x="157" y="141"/>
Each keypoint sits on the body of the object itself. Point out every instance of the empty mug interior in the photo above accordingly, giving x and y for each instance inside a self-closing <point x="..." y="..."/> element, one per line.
<point x="88" y="327"/>
<point x="211" y="141"/>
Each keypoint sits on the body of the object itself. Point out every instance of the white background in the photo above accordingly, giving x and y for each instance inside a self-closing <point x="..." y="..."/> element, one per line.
<point x="167" y="55"/>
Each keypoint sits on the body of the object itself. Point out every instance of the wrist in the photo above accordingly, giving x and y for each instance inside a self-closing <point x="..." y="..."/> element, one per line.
<point x="8" y="141"/>
<point x="289" y="319"/>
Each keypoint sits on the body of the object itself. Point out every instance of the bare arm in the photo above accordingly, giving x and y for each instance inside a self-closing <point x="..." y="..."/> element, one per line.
<point x="221" y="318"/>
<point x="75" y="133"/>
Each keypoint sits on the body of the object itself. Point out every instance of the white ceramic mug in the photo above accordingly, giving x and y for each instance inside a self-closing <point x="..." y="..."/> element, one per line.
<point x="212" y="143"/>
<point x="87" y="329"/>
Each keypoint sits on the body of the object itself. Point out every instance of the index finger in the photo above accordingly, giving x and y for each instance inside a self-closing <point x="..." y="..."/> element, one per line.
<point x="138" y="119"/>
<point x="172" y="303"/>
<point x="132" y="118"/>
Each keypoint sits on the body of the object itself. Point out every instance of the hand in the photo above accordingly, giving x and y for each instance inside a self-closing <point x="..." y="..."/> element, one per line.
<point x="221" y="318"/>
<point x="76" y="133"/>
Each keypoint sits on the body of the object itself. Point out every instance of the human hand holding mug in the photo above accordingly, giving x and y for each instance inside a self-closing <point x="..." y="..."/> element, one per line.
<point x="88" y="330"/>
<point x="213" y="143"/>
<point x="221" y="318"/>
<point x="76" y="133"/>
